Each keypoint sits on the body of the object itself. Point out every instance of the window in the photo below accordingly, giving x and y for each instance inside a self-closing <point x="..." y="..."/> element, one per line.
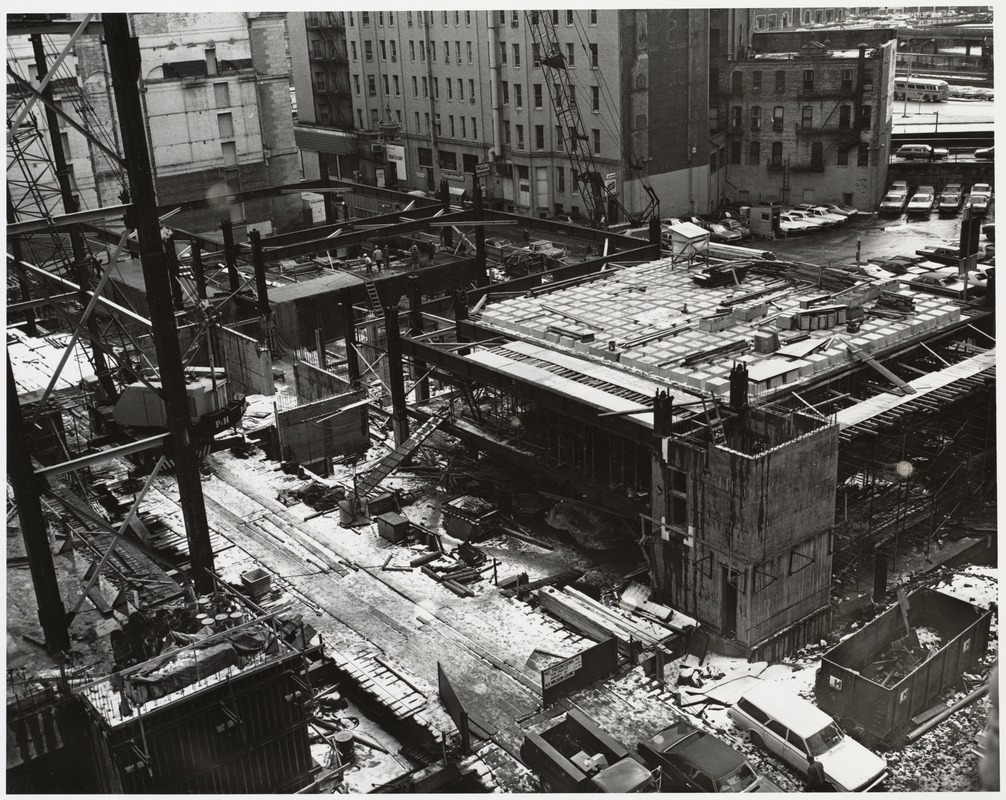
<point x="469" y="46"/>
<point x="847" y="198"/>
<point x="596" y="136"/>
<point x="843" y="158"/>
<point x="356" y="84"/>
<point x="755" y="118"/>
<point x="806" y="117"/>
<point x="593" y="16"/>
<point x="867" y="81"/>
<point x="595" y="98"/>
<point x="457" y="17"/>
<point x="754" y="153"/>
<point x="735" y="117"/>
<point x="417" y="123"/>
<point x="750" y="708"/>
<point x="863" y="157"/>
<point x="359" y="117"/>
<point x="771" y="20"/>
<point x="221" y="95"/>
<point x="468" y="18"/>
<point x="780" y="81"/>
<point x="570" y="54"/>
<point x="229" y="151"/>
<point x="516" y="56"/>
<point x="352" y="50"/>
<point x="572" y="95"/>
<point x="427" y="120"/>
<point x="844" y="117"/>
<point x="426" y="87"/>
<point x="502" y="17"/>
<point x="506" y="93"/>
<point x="866" y="112"/>
<point x="776" y="154"/>
<point x="448" y="159"/>
<point x="808" y="80"/>
<point x="444" y="17"/>
<point x="846" y="80"/>
<point x="558" y="136"/>
<point x="436" y="124"/>
<point x="777" y="728"/>
<point x="735" y="152"/>
<point x="457" y="51"/>
<point x="560" y="178"/>
<point x="714" y="118"/>
<point x="506" y="132"/>
<point x="391" y="18"/>
<point x="225" y="125"/>
<point x="520" y="137"/>
<point x="539" y="137"/>
<point x="447" y="52"/>
<point x="412" y="50"/>
<point x="436" y="88"/>
<point x="384" y="50"/>
<point x="759" y="23"/>
<point x="415" y="86"/>
<point x="514" y="19"/>
<point x="777" y="118"/>
<point x="713" y="165"/>
<point x="756" y="80"/>
<point x="422" y="51"/>
<point x="372" y="86"/>
<point x="408" y="18"/>
<point x="387" y="88"/>
<point x="398" y="88"/>
<point x="380" y="17"/>
<point x="569" y="17"/>
<point x="450" y="88"/>
<point x="785" y="20"/>
<point x="736" y="82"/>
<point x="518" y="95"/>
<point x="425" y="156"/>
<point x="537" y="95"/>
<point x="593" y="54"/>
<point x="350" y="19"/>
<point x="503" y="52"/>
<point x="461" y="89"/>
<point x="535" y="53"/>
<point x="471" y="89"/>
<point x="394" y="50"/>
<point x="368" y="51"/>
<point x="475" y="130"/>
<point x="464" y="131"/>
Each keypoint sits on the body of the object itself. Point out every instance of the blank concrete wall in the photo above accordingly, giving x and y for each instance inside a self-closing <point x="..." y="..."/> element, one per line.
<point x="247" y="361"/>
<point x="318" y="430"/>
<point x="313" y="383"/>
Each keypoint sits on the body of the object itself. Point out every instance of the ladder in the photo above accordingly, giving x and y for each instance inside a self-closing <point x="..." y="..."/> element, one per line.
<point x="715" y="422"/>
<point x="373" y="298"/>
<point x="390" y="462"/>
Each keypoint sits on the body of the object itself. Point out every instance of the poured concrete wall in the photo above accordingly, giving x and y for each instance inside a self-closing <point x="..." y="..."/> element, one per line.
<point x="313" y="383"/>
<point x="247" y="361"/>
<point x="324" y="429"/>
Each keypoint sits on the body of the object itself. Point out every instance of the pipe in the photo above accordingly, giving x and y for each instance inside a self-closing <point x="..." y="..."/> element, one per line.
<point x="492" y="17"/>
<point x="928" y="725"/>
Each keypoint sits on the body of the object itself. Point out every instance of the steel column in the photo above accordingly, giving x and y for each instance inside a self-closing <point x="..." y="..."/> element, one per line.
<point x="51" y="612"/>
<point x="416" y="318"/>
<point x="15" y="246"/>
<point x="124" y="65"/>
<point x="399" y="414"/>
<point x="197" y="269"/>
<point x="481" y="266"/>
<point x="230" y="255"/>
<point x="349" y="321"/>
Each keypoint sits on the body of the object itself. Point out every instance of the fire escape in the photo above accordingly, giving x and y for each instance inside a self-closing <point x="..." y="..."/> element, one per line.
<point x="328" y="52"/>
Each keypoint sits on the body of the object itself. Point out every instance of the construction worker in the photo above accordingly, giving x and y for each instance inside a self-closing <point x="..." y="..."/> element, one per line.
<point x="378" y="257"/>
<point x="368" y="264"/>
<point x="414" y="252"/>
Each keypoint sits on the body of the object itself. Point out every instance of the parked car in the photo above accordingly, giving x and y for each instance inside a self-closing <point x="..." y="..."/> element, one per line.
<point x="789" y="223"/>
<point x="978" y="203"/>
<point x="941" y="254"/>
<point x="803" y="215"/>
<point x="722" y="234"/>
<point x="795" y="730"/>
<point x="820" y="212"/>
<point x="896" y="268"/>
<point x="953" y="188"/>
<point x="893" y="203"/>
<point x="922" y="151"/>
<point x="950" y="203"/>
<point x="721" y="274"/>
<point x="841" y="208"/>
<point x="989" y="229"/>
<point x="946" y="285"/>
<point x="899" y="186"/>
<point x="670" y="221"/>
<point x="737" y="225"/>
<point x="921" y="203"/>
<point x="987" y="153"/>
<point x="982" y="188"/>
<point x="692" y="760"/>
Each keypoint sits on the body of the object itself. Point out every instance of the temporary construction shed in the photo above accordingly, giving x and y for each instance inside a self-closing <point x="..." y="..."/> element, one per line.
<point x="688" y="242"/>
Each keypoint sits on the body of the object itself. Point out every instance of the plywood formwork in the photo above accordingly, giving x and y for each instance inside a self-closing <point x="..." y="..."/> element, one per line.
<point x="247" y="361"/>
<point x="325" y="428"/>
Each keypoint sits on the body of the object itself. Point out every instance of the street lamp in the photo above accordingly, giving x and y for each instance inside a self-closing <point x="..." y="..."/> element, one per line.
<point x="920" y="45"/>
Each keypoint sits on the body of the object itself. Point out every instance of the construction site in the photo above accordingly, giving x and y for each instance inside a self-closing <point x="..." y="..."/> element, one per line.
<point x="479" y="514"/>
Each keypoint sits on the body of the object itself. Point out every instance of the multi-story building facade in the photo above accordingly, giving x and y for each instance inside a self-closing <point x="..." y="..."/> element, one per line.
<point x="468" y="87"/>
<point x="801" y="120"/>
<point x="216" y="91"/>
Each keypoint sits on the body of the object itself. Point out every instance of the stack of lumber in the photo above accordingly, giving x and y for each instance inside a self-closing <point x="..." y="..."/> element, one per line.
<point x="598" y="622"/>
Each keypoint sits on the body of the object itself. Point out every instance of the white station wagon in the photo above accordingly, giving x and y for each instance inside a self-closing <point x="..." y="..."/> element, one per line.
<point x="794" y="730"/>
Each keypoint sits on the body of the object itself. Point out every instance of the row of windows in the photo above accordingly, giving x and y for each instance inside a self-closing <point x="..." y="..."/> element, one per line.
<point x="429" y="16"/>
<point x="843" y="122"/>
<point x="568" y="14"/>
<point x="539" y="137"/>
<point x="816" y="154"/>
<point x="768" y="21"/>
<point x="807" y="84"/>
<point x="538" y="95"/>
<point x="390" y="46"/>
<point x="569" y="58"/>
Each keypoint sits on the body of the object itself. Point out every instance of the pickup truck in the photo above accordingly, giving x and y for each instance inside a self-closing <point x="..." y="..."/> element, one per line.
<point x="573" y="754"/>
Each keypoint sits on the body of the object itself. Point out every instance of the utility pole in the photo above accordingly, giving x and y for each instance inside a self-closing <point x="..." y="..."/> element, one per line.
<point x="124" y="66"/>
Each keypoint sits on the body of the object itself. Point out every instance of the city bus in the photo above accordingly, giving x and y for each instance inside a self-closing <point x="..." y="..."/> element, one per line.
<point x="927" y="89"/>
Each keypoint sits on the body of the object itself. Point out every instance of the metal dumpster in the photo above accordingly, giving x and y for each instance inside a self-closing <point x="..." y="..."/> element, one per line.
<point x="875" y="696"/>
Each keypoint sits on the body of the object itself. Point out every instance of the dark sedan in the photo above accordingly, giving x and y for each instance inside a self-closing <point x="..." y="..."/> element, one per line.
<point x="691" y="760"/>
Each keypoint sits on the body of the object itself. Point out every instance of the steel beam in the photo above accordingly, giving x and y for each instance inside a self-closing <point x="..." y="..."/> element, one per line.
<point x="98" y="458"/>
<point x="21" y="27"/>
<point x="47" y="223"/>
<point x="38" y="302"/>
<point x="109" y="304"/>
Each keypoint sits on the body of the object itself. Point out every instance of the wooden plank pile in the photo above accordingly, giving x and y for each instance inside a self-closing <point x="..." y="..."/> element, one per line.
<point x="386" y="684"/>
<point x="598" y="622"/>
